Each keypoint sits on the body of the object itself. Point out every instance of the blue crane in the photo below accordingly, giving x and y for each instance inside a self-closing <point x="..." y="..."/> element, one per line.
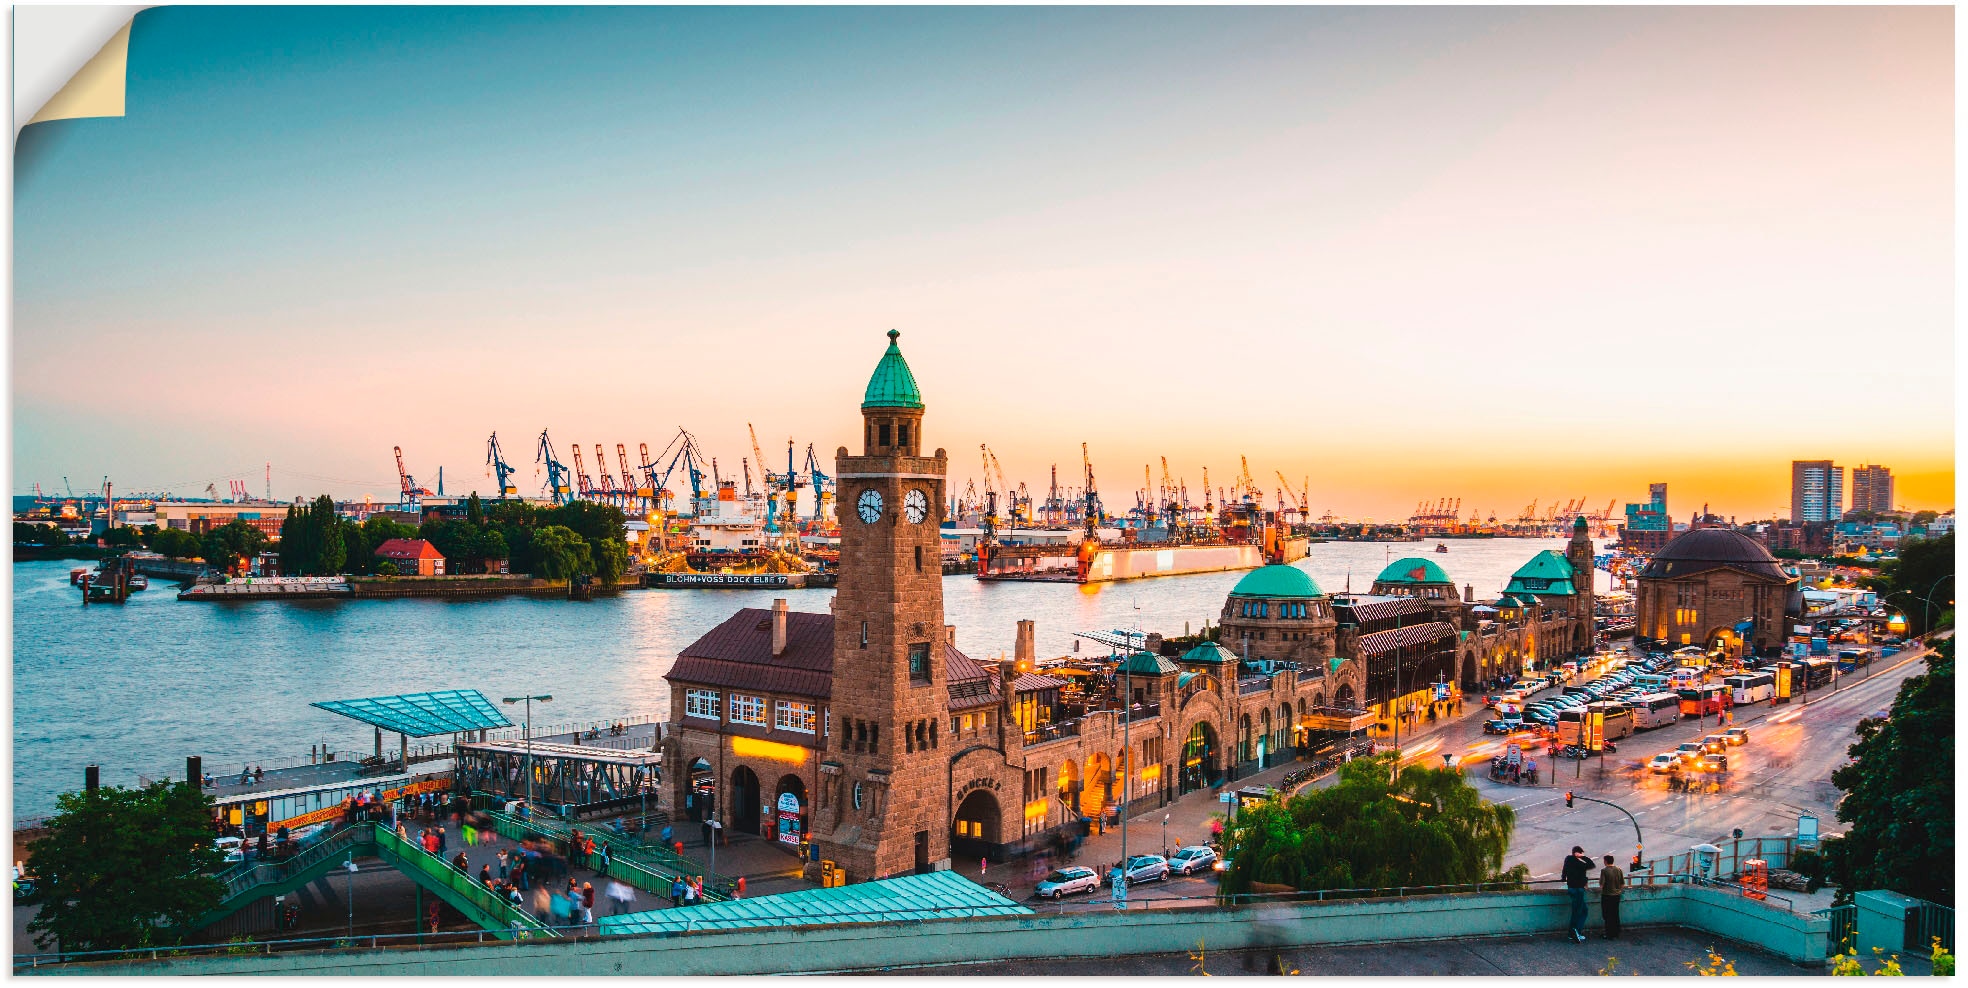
<point x="821" y="482"/>
<point x="557" y="486"/>
<point x="682" y="449"/>
<point x="496" y="459"/>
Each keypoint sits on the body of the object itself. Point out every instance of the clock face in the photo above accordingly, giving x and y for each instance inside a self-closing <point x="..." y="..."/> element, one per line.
<point x="869" y="507"/>
<point x="916" y="506"/>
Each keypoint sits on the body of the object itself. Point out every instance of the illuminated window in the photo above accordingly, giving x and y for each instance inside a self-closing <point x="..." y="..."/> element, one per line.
<point x="919" y="662"/>
<point x="793" y="715"/>
<point x="700" y="703"/>
<point x="747" y="709"/>
<point x="857" y="795"/>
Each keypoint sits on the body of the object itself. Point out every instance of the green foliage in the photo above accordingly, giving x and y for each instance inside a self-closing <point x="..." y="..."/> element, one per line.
<point x="175" y="543"/>
<point x="125" y="867"/>
<point x="1942" y="959"/>
<point x="45" y="535"/>
<point x="1900" y="794"/>
<point x="313" y="541"/>
<point x="386" y="568"/>
<point x="1919" y="583"/>
<point x="1846" y="965"/>
<point x="560" y="553"/>
<point x="225" y="545"/>
<point x="611" y="558"/>
<point x="122" y="537"/>
<point x="1372" y="831"/>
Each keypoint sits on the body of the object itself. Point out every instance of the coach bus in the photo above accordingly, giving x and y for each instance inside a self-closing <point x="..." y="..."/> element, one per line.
<point x="1751" y="687"/>
<point x="1701" y="701"/>
<point x="1656" y="710"/>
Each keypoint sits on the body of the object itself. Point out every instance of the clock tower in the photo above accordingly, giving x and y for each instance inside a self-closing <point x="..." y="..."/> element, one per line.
<point x="884" y="779"/>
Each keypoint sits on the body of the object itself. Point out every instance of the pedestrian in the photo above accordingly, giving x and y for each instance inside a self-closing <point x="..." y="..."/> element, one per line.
<point x="1575" y="871"/>
<point x="543" y="905"/>
<point x="666" y="833"/>
<point x="402" y="832"/>
<point x="1612" y="882"/>
<point x="485" y="876"/>
<point x="519" y="875"/>
<point x="619" y="897"/>
<point x="603" y="870"/>
<point x="676" y="892"/>
<point x="462" y="863"/>
<point x="563" y="910"/>
<point x="442" y="844"/>
<point x="587" y="903"/>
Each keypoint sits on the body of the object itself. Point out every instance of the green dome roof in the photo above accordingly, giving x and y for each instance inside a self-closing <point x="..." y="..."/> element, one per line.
<point x="1413" y="569"/>
<point x="892" y="386"/>
<point x="1209" y="652"/>
<point x="1148" y="664"/>
<point x="1277" y="581"/>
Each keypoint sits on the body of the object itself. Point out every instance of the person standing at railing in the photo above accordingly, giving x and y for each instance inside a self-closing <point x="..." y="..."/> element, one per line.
<point x="1612" y="882"/>
<point x="1576" y="870"/>
<point x="505" y="865"/>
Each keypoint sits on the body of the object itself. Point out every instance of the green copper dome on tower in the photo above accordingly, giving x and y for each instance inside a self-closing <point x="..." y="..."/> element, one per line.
<point x="893" y="386"/>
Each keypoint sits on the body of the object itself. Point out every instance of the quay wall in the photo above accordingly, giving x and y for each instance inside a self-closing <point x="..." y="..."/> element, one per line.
<point x="1796" y="937"/>
<point x="454" y="586"/>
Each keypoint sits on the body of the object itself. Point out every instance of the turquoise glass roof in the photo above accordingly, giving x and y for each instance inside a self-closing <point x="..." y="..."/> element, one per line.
<point x="1148" y="664"/>
<point x="1413" y="569"/>
<point x="1209" y="652"/>
<point x="423" y="715"/>
<point x="937" y="895"/>
<point x="893" y="385"/>
<point x="1276" y="581"/>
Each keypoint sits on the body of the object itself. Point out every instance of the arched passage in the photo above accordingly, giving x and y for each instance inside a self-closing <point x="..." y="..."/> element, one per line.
<point x="700" y="796"/>
<point x="1069" y="785"/>
<point x="974" y="833"/>
<point x="1263" y="738"/>
<point x="789" y="810"/>
<point x="1344" y="698"/>
<point x="1470" y="680"/>
<point x="1199" y="757"/>
<point x="744" y="804"/>
<point x="1281" y="738"/>
<point x="1246" y="750"/>
<point x="1098" y="792"/>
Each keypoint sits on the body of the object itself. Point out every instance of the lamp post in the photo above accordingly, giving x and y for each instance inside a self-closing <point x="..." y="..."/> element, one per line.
<point x="528" y="700"/>
<point x="1165" y="847"/>
<point x="350" y="865"/>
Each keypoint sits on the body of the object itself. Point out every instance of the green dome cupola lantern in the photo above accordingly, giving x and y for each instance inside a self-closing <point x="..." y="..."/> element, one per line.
<point x="892" y="409"/>
<point x="893" y="385"/>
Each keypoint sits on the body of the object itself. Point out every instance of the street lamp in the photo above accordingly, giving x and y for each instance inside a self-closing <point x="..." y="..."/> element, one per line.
<point x="528" y="700"/>
<point x="1165" y="847"/>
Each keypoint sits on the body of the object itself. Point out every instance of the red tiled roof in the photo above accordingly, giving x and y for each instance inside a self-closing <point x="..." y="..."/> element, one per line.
<point x="1419" y="634"/>
<point x="738" y="655"/>
<point x="408" y="549"/>
<point x="1032" y="683"/>
<point x="970" y="685"/>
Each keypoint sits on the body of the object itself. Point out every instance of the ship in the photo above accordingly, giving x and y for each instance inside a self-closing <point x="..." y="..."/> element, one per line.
<point x="1248" y="538"/>
<point x="728" y="535"/>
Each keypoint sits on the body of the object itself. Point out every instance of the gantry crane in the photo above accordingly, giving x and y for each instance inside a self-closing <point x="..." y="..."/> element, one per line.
<point x="410" y="491"/>
<point x="1244" y="487"/>
<point x="583" y="487"/>
<point x="1092" y="514"/>
<point x="607" y="490"/>
<point x="557" y="476"/>
<point x="495" y="460"/>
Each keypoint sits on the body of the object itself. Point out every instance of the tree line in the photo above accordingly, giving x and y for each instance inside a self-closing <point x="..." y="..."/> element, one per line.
<point x="580" y="538"/>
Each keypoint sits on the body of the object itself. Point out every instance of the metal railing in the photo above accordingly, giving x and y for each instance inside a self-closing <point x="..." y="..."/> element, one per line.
<point x="1930" y="922"/>
<point x="247" y="877"/>
<point x="1052" y="732"/>
<point x="484" y="899"/>
<point x="1844" y="929"/>
<point x="656" y="864"/>
<point x="453" y="938"/>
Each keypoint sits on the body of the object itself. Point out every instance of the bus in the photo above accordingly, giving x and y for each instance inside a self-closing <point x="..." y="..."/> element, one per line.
<point x="1703" y="700"/>
<point x="1651" y="681"/>
<point x="1613" y="721"/>
<point x="1751" y="687"/>
<point x="1656" y="710"/>
<point x="1684" y="677"/>
<point x="1815" y="671"/>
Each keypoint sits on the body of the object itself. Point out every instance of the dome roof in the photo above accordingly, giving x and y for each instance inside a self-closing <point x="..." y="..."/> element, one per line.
<point x="1704" y="549"/>
<point x="1209" y="652"/>
<point x="1413" y="569"/>
<point x="893" y="385"/>
<point x="1147" y="664"/>
<point x="1277" y="581"/>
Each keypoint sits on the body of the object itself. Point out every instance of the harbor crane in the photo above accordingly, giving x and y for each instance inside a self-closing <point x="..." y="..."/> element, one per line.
<point x="682" y="449"/>
<point x="1301" y="496"/>
<point x="1245" y="488"/>
<point x="1092" y="514"/>
<point x="990" y="493"/>
<point x="601" y="467"/>
<point x="557" y="475"/>
<point x="629" y="489"/>
<point x="823" y="485"/>
<point x="583" y="487"/>
<point x="410" y="491"/>
<point x="495" y="460"/>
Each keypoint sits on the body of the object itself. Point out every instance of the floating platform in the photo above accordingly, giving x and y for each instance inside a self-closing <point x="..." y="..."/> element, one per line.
<point x="737" y="581"/>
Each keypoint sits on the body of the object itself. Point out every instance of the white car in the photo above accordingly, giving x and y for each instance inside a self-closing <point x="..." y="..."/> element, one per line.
<point x="1067" y="881"/>
<point x="233" y="848"/>
<point x="1189" y="860"/>
<point x="1666" y="761"/>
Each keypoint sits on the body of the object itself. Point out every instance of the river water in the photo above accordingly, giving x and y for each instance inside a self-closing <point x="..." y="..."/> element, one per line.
<point x="137" y="688"/>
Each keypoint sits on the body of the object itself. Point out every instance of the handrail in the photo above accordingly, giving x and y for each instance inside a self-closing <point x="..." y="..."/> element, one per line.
<point x="459" y="882"/>
<point x="240" y="881"/>
<point x="661" y="863"/>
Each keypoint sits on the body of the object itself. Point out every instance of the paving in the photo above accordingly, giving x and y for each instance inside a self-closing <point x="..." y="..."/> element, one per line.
<point x="1651" y="951"/>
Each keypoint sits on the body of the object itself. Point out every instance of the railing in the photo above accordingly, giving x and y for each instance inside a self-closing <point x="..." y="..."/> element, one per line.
<point x="515" y="919"/>
<point x="1253" y="684"/>
<point x="1052" y="732"/>
<point x="569" y="727"/>
<point x="1844" y="929"/>
<point x="241" y="880"/>
<point x="659" y="864"/>
<point x="262" y="948"/>
<point x="1931" y="921"/>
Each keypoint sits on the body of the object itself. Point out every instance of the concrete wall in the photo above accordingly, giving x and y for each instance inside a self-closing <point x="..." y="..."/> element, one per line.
<point x="1798" y="938"/>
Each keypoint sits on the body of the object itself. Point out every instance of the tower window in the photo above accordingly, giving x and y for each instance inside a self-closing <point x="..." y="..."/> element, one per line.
<point x="882" y="432"/>
<point x="919" y="559"/>
<point x="857" y="795"/>
<point x="919" y="662"/>
<point x="864" y="634"/>
<point x="902" y="434"/>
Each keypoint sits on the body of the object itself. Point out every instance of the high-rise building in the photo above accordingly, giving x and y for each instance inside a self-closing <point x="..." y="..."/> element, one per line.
<point x="1817" y="491"/>
<point x="1872" y="488"/>
<point x="1647" y="525"/>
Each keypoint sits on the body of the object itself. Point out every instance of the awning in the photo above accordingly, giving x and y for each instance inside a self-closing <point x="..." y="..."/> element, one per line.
<point x="581" y="752"/>
<point x="1344" y="720"/>
<point x="423" y="715"/>
<point x="937" y="895"/>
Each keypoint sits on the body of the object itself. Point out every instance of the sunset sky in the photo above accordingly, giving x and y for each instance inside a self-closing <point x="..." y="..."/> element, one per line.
<point x="1495" y="254"/>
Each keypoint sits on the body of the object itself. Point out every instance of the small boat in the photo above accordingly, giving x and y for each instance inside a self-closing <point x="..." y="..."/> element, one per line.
<point x="1441" y="547"/>
<point x="75" y="576"/>
<point x="138" y="581"/>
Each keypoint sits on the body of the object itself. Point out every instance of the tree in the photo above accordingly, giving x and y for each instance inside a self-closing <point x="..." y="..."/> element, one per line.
<point x="175" y="543"/>
<point x="125" y="867"/>
<point x="46" y="535"/>
<point x="1918" y="585"/>
<point x="1371" y="830"/>
<point x="561" y="553"/>
<point x="611" y="558"/>
<point x="225" y="545"/>
<point x="1924" y="517"/>
<point x="122" y="537"/>
<point x="1899" y="794"/>
<point x="492" y="546"/>
<point x="475" y="511"/>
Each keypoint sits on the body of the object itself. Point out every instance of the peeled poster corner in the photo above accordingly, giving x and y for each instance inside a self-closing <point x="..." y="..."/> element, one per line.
<point x="62" y="37"/>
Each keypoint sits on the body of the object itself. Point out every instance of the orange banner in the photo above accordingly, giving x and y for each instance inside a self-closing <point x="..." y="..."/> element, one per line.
<point x="335" y="811"/>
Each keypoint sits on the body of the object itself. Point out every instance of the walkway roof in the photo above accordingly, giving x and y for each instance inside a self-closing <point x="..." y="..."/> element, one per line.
<point x="584" y="752"/>
<point x="937" y="895"/>
<point x="423" y="715"/>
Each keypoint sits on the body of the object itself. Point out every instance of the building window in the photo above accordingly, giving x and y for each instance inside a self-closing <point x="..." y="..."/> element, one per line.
<point x="747" y="709"/>
<point x="792" y="715"/>
<point x="953" y="724"/>
<point x="700" y="703"/>
<point x="882" y="431"/>
<point x="919" y="559"/>
<point x="966" y="725"/>
<point x="857" y="796"/>
<point x="919" y="662"/>
<point x="864" y="634"/>
<point x="902" y="434"/>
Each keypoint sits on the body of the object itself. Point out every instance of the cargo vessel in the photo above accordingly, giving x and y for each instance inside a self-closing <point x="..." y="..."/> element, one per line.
<point x="1249" y="538"/>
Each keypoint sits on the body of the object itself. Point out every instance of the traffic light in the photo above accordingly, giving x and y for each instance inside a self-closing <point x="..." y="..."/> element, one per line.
<point x="1568" y="799"/>
<point x="1739" y="833"/>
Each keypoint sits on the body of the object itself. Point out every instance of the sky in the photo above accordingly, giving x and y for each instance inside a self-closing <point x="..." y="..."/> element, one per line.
<point x="1500" y="254"/>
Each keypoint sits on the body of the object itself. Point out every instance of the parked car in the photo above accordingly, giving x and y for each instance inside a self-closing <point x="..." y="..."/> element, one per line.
<point x="1067" y="881"/>
<point x="1189" y="860"/>
<point x="1143" y="868"/>
<point x="1689" y="750"/>
<point x="1737" y="735"/>
<point x="1502" y="726"/>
